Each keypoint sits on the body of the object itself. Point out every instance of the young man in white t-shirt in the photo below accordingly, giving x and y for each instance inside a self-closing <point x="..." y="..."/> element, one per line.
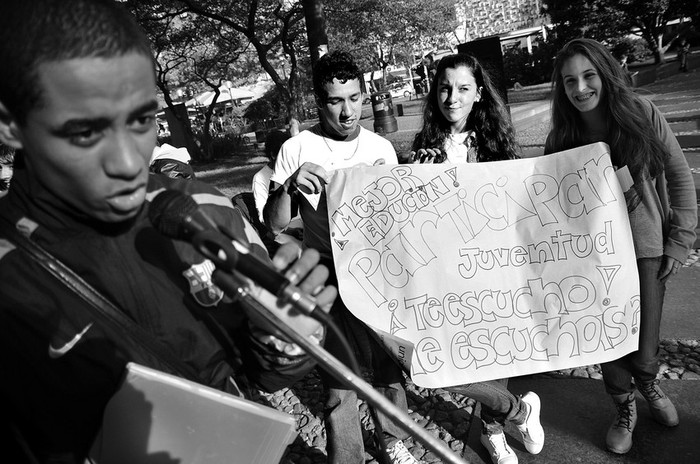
<point x="299" y="179"/>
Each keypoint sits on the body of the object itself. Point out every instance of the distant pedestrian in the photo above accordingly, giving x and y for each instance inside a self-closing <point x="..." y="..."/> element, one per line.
<point x="623" y="64"/>
<point x="626" y="70"/>
<point x="592" y="102"/>
<point x="466" y="121"/>
<point x="683" y="50"/>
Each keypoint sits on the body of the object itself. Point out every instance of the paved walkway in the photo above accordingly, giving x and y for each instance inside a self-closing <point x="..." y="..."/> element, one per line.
<point x="576" y="414"/>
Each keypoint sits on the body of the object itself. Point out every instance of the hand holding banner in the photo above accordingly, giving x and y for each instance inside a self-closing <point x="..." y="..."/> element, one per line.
<point x="491" y="270"/>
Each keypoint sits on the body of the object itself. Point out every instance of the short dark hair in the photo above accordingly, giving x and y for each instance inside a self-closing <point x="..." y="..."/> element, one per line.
<point x="335" y="65"/>
<point x="33" y="32"/>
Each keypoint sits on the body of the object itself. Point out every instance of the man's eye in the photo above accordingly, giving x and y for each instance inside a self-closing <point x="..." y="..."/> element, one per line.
<point x="84" y="138"/>
<point x="144" y="123"/>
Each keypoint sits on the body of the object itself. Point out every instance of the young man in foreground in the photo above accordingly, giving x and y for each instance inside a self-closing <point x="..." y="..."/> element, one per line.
<point x="78" y="103"/>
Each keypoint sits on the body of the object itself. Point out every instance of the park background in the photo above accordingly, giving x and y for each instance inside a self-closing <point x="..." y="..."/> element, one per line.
<point x="231" y="71"/>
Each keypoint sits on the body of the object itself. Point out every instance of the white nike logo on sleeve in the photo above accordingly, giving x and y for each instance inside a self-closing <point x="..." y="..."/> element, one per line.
<point x="55" y="353"/>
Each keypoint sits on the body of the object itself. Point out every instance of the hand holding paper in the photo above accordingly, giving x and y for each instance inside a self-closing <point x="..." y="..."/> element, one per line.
<point x="489" y="270"/>
<point x="310" y="180"/>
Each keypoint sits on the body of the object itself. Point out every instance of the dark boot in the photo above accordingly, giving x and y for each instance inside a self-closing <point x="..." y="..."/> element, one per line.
<point x="662" y="410"/>
<point x="619" y="438"/>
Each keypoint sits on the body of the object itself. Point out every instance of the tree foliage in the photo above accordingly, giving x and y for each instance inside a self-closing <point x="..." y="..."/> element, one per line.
<point x="528" y="69"/>
<point x="650" y="18"/>
<point x="202" y="43"/>
<point x="610" y="20"/>
<point x="383" y="32"/>
<point x="594" y="19"/>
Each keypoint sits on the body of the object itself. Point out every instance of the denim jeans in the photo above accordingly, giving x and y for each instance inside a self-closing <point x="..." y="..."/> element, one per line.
<point x="344" y="442"/>
<point x="643" y="364"/>
<point x="497" y="403"/>
<point x="343" y="428"/>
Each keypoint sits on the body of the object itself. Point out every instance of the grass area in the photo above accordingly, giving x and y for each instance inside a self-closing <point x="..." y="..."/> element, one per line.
<point x="232" y="175"/>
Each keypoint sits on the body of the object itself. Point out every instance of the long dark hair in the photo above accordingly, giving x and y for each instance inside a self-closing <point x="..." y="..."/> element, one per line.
<point x="633" y="142"/>
<point x="489" y="117"/>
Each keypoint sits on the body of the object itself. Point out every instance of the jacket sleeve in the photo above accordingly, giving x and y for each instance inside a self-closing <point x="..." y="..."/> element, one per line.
<point x="677" y="193"/>
<point x="266" y="366"/>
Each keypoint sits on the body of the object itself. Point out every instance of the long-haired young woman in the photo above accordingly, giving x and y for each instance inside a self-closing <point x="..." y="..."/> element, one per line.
<point x="592" y="102"/>
<point x="466" y="121"/>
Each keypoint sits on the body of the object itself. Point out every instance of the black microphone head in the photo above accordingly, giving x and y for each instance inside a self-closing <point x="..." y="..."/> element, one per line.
<point x="169" y="212"/>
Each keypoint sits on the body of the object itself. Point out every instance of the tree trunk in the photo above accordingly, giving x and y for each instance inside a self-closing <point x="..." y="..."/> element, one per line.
<point x="190" y="143"/>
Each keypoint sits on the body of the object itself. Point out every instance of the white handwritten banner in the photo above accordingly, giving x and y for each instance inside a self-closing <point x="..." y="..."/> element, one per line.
<point x="483" y="271"/>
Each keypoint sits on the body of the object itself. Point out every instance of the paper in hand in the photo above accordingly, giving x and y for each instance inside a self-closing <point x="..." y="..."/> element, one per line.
<point x="625" y="178"/>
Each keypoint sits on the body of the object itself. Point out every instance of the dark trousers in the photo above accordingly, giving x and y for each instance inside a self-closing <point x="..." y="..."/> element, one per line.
<point x="643" y="364"/>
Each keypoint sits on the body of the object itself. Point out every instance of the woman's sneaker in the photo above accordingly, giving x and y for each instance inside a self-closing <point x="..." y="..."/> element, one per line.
<point x="497" y="446"/>
<point x="531" y="429"/>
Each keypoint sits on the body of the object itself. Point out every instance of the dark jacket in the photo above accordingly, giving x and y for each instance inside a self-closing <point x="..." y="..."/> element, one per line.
<point x="56" y="398"/>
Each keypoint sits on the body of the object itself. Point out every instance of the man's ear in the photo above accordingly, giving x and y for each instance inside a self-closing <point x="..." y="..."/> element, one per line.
<point x="9" y="129"/>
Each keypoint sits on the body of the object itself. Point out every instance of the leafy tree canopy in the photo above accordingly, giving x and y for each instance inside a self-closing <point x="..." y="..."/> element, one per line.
<point x="610" y="20"/>
<point x="383" y="32"/>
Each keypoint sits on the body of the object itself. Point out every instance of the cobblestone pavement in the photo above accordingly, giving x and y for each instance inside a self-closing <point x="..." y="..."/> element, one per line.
<point x="445" y="415"/>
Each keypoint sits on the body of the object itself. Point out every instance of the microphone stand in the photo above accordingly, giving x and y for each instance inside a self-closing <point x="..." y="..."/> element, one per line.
<point x="234" y="285"/>
<point x="215" y="243"/>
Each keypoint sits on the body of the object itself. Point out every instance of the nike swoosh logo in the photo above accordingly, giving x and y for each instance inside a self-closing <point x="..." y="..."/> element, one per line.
<point x="55" y="353"/>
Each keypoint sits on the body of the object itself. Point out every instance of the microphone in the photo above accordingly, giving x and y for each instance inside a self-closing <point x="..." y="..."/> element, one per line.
<point x="178" y="216"/>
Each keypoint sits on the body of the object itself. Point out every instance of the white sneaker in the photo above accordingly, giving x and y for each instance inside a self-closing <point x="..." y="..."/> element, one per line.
<point x="531" y="429"/>
<point x="399" y="454"/>
<point x="498" y="448"/>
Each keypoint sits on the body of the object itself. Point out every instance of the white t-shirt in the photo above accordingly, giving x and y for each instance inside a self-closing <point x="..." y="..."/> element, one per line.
<point x="312" y="147"/>
<point x="460" y="150"/>
<point x="261" y="189"/>
<point x="170" y="152"/>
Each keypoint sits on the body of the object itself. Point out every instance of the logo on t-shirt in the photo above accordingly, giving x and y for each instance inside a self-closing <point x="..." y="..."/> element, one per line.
<point x="201" y="286"/>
